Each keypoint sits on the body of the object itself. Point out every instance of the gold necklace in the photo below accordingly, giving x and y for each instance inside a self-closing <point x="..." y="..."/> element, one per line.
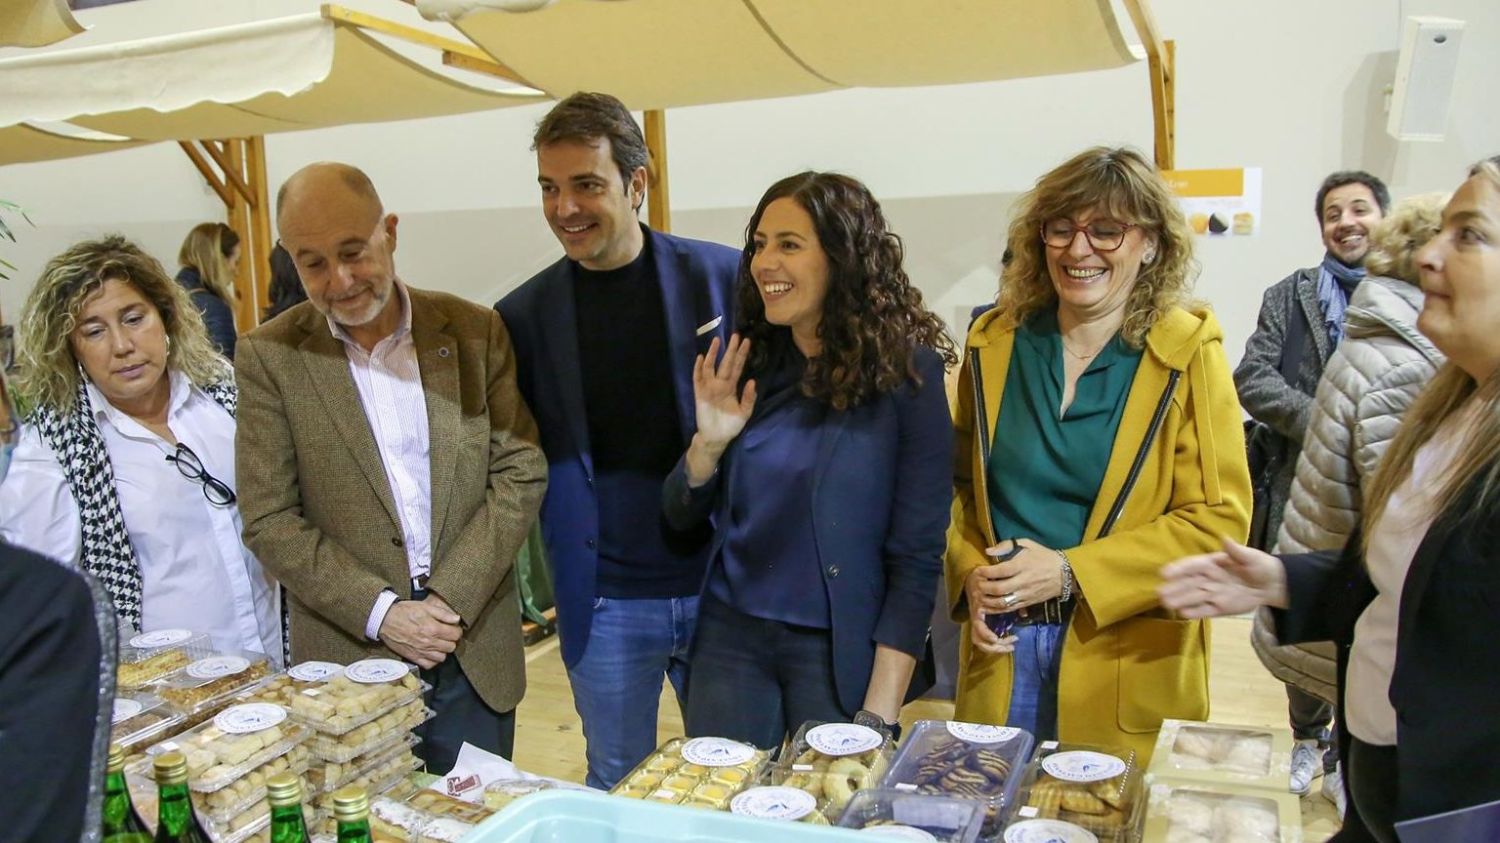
<point x="1090" y="356"/>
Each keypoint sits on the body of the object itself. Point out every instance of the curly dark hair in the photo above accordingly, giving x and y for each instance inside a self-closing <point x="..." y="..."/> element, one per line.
<point x="873" y="319"/>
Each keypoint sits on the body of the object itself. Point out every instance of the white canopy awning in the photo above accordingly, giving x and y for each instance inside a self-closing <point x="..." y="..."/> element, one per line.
<point x="22" y="143"/>
<point x="666" y="53"/>
<point x="301" y="72"/>
<point x="36" y="23"/>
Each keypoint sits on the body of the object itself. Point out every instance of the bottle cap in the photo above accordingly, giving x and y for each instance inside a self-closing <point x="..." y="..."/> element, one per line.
<point x="351" y="804"/>
<point x="171" y="768"/>
<point x="116" y="758"/>
<point x="283" y="789"/>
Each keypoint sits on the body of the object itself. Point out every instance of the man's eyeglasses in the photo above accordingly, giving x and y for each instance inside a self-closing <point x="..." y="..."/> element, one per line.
<point x="1103" y="235"/>
<point x="191" y="467"/>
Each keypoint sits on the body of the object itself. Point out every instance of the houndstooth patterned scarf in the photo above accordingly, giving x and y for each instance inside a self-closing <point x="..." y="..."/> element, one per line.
<point x="79" y="445"/>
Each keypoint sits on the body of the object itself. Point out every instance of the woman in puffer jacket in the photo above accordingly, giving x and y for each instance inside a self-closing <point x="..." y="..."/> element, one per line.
<point x="1368" y="385"/>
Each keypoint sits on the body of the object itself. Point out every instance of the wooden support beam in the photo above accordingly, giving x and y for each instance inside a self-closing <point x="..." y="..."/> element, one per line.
<point x="208" y="172"/>
<point x="487" y="66"/>
<point x="260" y="251"/>
<point x="658" y="194"/>
<point x="402" y="31"/>
<point x="1160" y="59"/>
<point x="237" y="173"/>
<point x="231" y="172"/>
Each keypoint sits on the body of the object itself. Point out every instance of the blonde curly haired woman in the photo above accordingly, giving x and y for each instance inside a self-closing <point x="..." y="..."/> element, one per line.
<point x="126" y="465"/>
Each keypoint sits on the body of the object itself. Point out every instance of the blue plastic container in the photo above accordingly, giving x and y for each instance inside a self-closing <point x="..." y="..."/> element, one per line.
<point x="567" y="816"/>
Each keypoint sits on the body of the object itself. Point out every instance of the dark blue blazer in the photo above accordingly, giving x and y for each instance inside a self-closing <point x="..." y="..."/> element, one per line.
<point x="882" y="494"/>
<point x="697" y="289"/>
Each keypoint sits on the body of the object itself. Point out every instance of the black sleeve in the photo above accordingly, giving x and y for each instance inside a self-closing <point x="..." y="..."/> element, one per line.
<point x="1327" y="591"/>
<point x="49" y="697"/>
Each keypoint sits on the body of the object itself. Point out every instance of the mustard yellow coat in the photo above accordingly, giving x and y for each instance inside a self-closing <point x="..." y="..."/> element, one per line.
<point x="1126" y="662"/>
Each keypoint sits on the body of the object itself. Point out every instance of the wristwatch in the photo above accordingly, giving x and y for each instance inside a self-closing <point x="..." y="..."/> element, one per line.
<point x="871" y="720"/>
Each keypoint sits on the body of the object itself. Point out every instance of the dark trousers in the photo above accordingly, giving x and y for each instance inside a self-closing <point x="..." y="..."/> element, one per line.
<point x="462" y="717"/>
<point x="755" y="680"/>
<point x="1373" y="786"/>
<point x="1309" y="716"/>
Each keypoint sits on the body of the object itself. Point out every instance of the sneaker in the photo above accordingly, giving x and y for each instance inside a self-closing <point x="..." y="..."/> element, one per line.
<point x="1333" y="788"/>
<point x="1307" y="764"/>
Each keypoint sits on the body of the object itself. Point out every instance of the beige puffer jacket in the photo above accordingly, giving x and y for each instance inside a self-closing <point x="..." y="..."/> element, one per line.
<point x="1371" y="380"/>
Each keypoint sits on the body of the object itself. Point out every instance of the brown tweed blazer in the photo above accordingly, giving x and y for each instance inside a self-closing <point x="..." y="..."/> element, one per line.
<point x="318" y="509"/>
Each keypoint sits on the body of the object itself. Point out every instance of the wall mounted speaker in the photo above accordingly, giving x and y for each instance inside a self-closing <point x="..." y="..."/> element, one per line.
<point x="1424" y="78"/>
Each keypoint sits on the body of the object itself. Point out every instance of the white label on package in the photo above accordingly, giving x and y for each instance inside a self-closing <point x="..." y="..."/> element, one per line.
<point x="898" y="832"/>
<point x="314" y="671"/>
<point x="218" y="666"/>
<point x="250" y="717"/>
<point x="843" y="739"/>
<point x="774" y="803"/>
<point x="1082" y="766"/>
<point x="125" y="709"/>
<point x="160" y="638"/>
<point x="376" y="671"/>
<point x="979" y="733"/>
<point x="1048" y="831"/>
<point x="717" y="752"/>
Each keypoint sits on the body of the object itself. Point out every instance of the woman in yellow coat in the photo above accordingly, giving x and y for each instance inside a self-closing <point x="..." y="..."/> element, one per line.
<point x="1098" y="438"/>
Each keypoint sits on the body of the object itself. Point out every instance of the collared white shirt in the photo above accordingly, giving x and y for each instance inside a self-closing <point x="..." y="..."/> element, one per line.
<point x="389" y="383"/>
<point x="1393" y="543"/>
<point x="195" y="571"/>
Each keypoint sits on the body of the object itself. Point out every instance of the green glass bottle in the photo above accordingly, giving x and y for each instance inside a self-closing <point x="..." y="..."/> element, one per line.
<point x="351" y="810"/>
<point x="121" y="823"/>
<point x="175" y="821"/>
<point x="284" y="792"/>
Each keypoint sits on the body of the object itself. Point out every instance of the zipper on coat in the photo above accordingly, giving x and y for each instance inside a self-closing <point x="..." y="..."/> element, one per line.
<point x="982" y="432"/>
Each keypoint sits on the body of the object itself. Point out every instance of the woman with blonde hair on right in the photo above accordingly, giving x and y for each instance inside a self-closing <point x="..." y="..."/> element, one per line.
<point x="1370" y="382"/>
<point x="1413" y="593"/>
<point x="208" y="255"/>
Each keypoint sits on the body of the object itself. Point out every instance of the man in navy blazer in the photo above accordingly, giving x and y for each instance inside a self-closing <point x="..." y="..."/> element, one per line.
<point x="605" y="341"/>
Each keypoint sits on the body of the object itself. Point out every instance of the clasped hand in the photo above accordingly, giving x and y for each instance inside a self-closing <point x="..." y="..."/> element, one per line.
<point x="1030" y="577"/>
<point x="422" y="631"/>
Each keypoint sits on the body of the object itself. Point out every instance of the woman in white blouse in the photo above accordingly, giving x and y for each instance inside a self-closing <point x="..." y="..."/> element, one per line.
<point x="126" y="467"/>
<point x="1413" y="597"/>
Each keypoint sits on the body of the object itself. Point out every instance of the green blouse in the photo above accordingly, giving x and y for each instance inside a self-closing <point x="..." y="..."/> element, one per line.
<point x="1045" y="470"/>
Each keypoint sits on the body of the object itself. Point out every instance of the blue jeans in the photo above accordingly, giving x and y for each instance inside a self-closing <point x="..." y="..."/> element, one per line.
<point x="617" y="683"/>
<point x="755" y="680"/>
<point x="1033" y="691"/>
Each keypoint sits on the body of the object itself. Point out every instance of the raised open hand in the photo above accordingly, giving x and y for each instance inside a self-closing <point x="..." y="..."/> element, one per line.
<point x="723" y="409"/>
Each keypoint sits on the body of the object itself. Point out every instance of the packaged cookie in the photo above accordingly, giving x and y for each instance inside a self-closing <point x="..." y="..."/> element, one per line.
<point x="444" y="830"/>
<point x="395" y="819"/>
<point x="1046" y="831"/>
<point x="141" y="719"/>
<point x="283" y="687"/>
<point x="832" y="761"/>
<point x="370" y="736"/>
<point x="1217" y="753"/>
<point x="702" y="772"/>
<point x="442" y="805"/>
<point x="362" y="693"/>
<point x="498" y="794"/>
<point x="965" y="760"/>
<point x="1203" y="813"/>
<point x="780" y="803"/>
<point x="328" y="776"/>
<point x="150" y="656"/>
<point x="913" y="816"/>
<point x="239" y="739"/>
<point x="389" y="777"/>
<point x="1096" y="788"/>
<point x="207" y="684"/>
<point x="228" y="802"/>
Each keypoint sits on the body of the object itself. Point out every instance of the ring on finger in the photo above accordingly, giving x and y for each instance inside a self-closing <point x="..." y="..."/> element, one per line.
<point x="1010" y="599"/>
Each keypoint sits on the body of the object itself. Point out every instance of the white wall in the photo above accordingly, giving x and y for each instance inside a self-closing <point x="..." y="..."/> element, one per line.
<point x="1291" y="86"/>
